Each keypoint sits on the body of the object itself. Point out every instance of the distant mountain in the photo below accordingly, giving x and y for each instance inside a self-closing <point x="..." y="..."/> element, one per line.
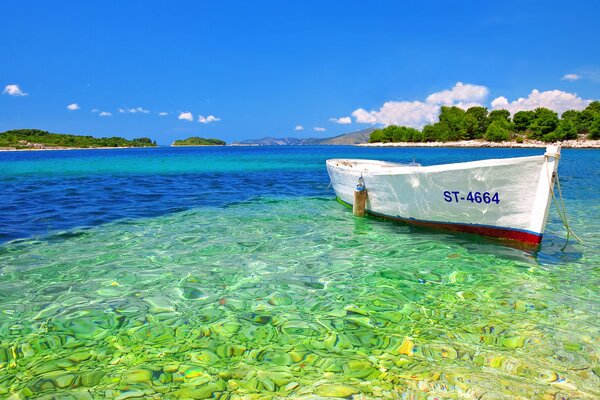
<point x="358" y="137"/>
<point x="271" y="141"/>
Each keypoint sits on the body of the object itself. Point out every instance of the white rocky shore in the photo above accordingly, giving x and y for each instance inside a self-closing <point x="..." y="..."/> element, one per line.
<point x="575" y="144"/>
<point x="67" y="148"/>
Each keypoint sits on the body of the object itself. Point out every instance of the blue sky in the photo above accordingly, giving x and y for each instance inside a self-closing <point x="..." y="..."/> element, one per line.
<point x="254" y="69"/>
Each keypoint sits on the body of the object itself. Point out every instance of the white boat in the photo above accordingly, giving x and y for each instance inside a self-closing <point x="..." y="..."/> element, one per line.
<point x="506" y="198"/>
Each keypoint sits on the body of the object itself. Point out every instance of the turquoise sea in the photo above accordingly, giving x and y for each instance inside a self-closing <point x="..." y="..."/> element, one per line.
<point x="233" y="273"/>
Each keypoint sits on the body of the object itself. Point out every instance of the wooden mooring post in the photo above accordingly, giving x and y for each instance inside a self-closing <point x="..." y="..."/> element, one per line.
<point x="360" y="203"/>
<point x="360" y="198"/>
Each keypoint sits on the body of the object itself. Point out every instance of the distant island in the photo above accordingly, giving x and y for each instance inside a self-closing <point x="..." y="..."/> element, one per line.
<point x="198" y="141"/>
<point x="351" y="138"/>
<point x="36" y="139"/>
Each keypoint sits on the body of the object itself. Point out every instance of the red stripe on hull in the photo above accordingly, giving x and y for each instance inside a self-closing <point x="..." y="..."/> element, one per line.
<point x="524" y="237"/>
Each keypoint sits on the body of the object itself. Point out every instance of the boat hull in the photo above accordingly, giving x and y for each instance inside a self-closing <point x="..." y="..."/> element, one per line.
<point x="503" y="198"/>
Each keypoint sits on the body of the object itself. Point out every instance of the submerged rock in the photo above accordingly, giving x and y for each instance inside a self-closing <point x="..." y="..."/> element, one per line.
<point x="360" y="369"/>
<point x="407" y="347"/>
<point x="277" y="358"/>
<point x="280" y="299"/>
<point x="336" y="391"/>
<point x="137" y="375"/>
<point x="191" y="391"/>
<point x="130" y="394"/>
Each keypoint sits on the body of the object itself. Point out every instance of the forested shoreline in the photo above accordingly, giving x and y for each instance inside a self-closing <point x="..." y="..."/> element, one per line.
<point x="456" y="124"/>
<point x="21" y="139"/>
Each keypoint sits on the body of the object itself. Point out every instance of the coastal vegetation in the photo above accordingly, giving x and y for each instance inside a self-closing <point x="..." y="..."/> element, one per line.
<point x="39" y="139"/>
<point x="456" y="124"/>
<point x="198" y="141"/>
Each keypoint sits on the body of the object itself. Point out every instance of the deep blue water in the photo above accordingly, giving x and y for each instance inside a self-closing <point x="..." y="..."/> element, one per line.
<point x="49" y="191"/>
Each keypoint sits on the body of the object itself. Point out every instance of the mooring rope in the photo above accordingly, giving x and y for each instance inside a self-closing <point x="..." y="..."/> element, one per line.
<point x="563" y="214"/>
<point x="562" y="210"/>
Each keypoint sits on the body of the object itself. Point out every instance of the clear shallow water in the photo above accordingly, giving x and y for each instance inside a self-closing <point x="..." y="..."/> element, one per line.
<point x="234" y="272"/>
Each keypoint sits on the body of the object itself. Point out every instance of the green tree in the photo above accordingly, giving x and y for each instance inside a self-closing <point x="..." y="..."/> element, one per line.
<point x="389" y="132"/>
<point x="566" y="130"/>
<point x="400" y="134"/>
<point x="418" y="136"/>
<point x="545" y="121"/>
<point x="453" y="120"/>
<point x="442" y="132"/>
<point x="429" y="133"/>
<point x="497" y="131"/>
<point x="470" y="127"/>
<point x="503" y="115"/>
<point x="522" y="120"/>
<point x="481" y="115"/>
<point x="594" y="107"/>
<point x="376" y="136"/>
<point x="595" y="127"/>
<point x="570" y="114"/>
<point x="395" y="132"/>
<point x="145" y="140"/>
<point x="584" y="121"/>
<point x="387" y="135"/>
<point x="415" y="134"/>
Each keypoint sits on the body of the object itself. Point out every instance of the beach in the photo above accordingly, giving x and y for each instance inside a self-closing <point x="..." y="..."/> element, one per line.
<point x="567" y="144"/>
<point x="48" y="148"/>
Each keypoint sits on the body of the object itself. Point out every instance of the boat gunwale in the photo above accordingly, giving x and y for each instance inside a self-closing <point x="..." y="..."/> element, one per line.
<point x="385" y="168"/>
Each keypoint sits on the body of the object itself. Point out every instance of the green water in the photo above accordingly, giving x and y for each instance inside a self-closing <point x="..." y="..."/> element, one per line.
<point x="290" y="298"/>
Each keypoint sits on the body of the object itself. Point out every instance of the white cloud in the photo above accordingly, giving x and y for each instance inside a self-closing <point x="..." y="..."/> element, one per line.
<point x="466" y="106"/>
<point x="95" y="110"/>
<point x="319" y="129"/>
<point x="407" y="113"/>
<point x="556" y="100"/>
<point x="105" y="114"/>
<point x="73" y="107"/>
<point x="163" y="113"/>
<point x="363" y="116"/>
<point x="13" y="90"/>
<point x="133" y="110"/>
<point x="186" y="116"/>
<point x="418" y="113"/>
<point x="207" y="120"/>
<point x="571" y="77"/>
<point x="342" y="120"/>
<point x="298" y="128"/>
<point x="461" y="92"/>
